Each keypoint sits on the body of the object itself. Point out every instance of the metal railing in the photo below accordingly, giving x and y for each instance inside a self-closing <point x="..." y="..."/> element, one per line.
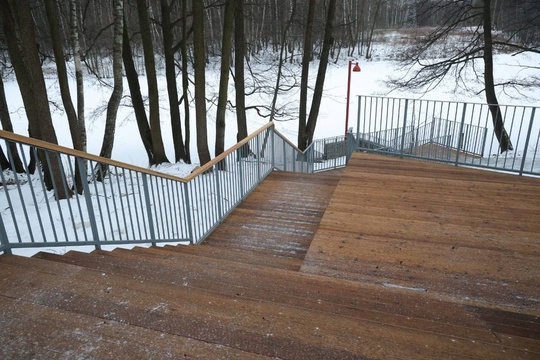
<point x="453" y="132"/>
<point x="116" y="203"/>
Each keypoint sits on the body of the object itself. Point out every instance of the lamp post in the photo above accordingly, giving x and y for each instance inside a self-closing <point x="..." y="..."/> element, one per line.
<point x="355" y="69"/>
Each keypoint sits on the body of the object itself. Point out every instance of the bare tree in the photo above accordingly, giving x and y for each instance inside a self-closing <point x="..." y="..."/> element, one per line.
<point x="321" y="74"/>
<point x="23" y="51"/>
<point x="304" y="81"/>
<point x="239" y="79"/>
<point x="226" y="46"/>
<point x="116" y="96"/>
<point x="200" y="88"/>
<point x="136" y="96"/>
<point x="75" y="43"/>
<point x="15" y="163"/>
<point x="170" y="74"/>
<point x="185" y="80"/>
<point x="153" y="95"/>
<point x="61" y="71"/>
<point x="472" y="23"/>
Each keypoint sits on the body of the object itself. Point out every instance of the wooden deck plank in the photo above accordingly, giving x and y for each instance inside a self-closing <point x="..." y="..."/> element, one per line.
<point x="260" y="327"/>
<point x="409" y="223"/>
<point x="279" y="218"/>
<point x="399" y="259"/>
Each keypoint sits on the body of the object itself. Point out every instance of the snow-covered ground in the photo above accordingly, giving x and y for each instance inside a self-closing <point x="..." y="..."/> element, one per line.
<point x="370" y="81"/>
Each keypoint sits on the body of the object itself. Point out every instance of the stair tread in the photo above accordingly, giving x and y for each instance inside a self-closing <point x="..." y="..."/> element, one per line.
<point x="92" y="336"/>
<point x="320" y="294"/>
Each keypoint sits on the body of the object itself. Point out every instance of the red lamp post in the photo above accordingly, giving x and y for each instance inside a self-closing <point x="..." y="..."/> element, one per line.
<point x="355" y="69"/>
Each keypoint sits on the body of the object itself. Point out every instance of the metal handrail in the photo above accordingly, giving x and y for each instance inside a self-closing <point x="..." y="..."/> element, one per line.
<point x="459" y="133"/>
<point x="132" y="205"/>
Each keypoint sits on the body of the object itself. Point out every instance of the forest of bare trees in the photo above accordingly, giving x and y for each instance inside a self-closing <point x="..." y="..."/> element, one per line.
<point x="179" y="37"/>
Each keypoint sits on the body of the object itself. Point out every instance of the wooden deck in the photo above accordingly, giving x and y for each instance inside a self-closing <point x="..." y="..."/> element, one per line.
<point x="386" y="259"/>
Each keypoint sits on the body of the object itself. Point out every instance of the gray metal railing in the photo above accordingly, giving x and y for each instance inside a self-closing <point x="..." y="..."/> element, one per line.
<point x="453" y="132"/>
<point x="121" y="204"/>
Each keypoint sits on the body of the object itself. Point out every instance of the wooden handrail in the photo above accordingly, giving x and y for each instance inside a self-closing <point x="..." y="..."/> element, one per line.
<point x="62" y="149"/>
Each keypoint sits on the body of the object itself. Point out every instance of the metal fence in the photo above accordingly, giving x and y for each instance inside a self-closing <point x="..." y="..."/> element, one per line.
<point x="116" y="203"/>
<point x="454" y="132"/>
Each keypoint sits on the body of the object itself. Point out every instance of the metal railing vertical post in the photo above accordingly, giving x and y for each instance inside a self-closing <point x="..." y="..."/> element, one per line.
<point x="88" y="200"/>
<point x="146" y="191"/>
<point x="358" y="122"/>
<point x="460" y="134"/>
<point x="404" y="126"/>
<point x="258" y="155"/>
<point x="188" y="213"/>
<point x="240" y="173"/>
<point x="218" y="192"/>
<point x="3" y="237"/>
<point x="527" y="142"/>
<point x="273" y="147"/>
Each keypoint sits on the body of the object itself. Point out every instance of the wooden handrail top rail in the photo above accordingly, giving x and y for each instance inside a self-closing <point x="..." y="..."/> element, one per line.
<point x="62" y="149"/>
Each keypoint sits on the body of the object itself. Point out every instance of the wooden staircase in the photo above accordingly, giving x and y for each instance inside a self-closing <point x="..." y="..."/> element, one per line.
<point x="242" y="294"/>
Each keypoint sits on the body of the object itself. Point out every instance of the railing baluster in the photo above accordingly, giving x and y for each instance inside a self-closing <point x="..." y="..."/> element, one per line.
<point x="148" y="208"/>
<point x="88" y="199"/>
<point x="527" y="139"/>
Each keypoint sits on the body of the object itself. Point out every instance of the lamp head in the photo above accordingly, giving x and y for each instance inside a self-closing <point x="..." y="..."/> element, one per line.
<point x="356" y="68"/>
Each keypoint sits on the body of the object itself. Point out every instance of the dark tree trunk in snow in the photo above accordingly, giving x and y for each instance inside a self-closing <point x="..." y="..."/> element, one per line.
<point x="153" y="96"/>
<point x="200" y="79"/>
<point x="504" y="140"/>
<point x="170" y="73"/>
<point x="321" y="74"/>
<point x="5" y="120"/>
<point x="239" y="83"/>
<point x="226" y="46"/>
<point x="304" y="81"/>
<point x="23" y="50"/>
<point x="136" y="96"/>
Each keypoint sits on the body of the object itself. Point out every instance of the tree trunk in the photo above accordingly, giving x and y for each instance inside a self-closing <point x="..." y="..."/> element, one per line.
<point x="23" y="50"/>
<point x="200" y="89"/>
<point x="281" y="60"/>
<point x="5" y="120"/>
<point x="319" y="83"/>
<point x="185" y="83"/>
<point x="239" y="83"/>
<point x="489" y="82"/>
<point x="78" y="72"/>
<point x="226" y="46"/>
<point x="116" y="96"/>
<point x="170" y="73"/>
<point x="153" y="95"/>
<point x="136" y="97"/>
<point x="304" y="81"/>
<point x="58" y="50"/>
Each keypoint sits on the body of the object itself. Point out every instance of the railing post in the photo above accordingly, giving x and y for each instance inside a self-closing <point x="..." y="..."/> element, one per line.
<point x="258" y="155"/>
<point x="527" y="142"/>
<point x="148" y="208"/>
<point x="88" y="200"/>
<point x="188" y="213"/>
<point x="240" y="172"/>
<point x="273" y="147"/>
<point x="460" y="135"/>
<point x="3" y="237"/>
<point x="218" y="192"/>
<point x="358" y="122"/>
<point x="404" y="127"/>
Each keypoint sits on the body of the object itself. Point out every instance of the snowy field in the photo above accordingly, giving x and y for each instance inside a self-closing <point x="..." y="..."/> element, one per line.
<point x="370" y="81"/>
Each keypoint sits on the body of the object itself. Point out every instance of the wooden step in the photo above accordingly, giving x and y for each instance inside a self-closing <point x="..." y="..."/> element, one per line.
<point x="278" y="219"/>
<point x="34" y="331"/>
<point x="336" y="297"/>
